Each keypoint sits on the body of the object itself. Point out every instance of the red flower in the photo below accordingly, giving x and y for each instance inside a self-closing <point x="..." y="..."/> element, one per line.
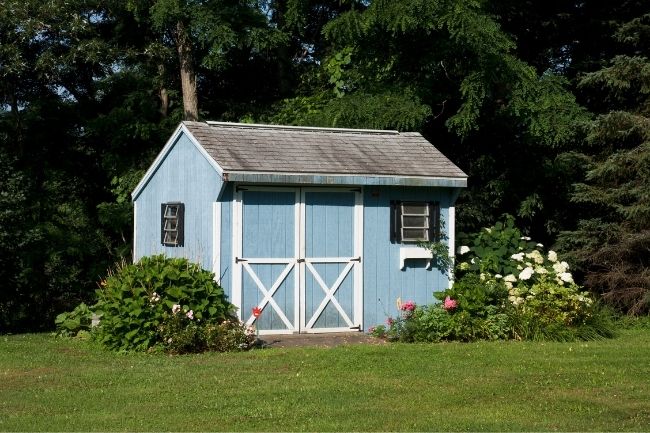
<point x="257" y="311"/>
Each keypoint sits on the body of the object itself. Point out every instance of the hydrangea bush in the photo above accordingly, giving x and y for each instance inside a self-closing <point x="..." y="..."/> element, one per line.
<point x="167" y="304"/>
<point x="506" y="286"/>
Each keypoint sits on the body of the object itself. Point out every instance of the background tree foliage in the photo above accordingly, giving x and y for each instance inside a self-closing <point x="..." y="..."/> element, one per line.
<point x="528" y="97"/>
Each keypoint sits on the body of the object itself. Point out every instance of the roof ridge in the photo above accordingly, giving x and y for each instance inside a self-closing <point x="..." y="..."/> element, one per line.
<point x="302" y="128"/>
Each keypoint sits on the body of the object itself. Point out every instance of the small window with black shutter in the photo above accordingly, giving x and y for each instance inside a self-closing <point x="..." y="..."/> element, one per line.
<point x="172" y="222"/>
<point x="414" y="221"/>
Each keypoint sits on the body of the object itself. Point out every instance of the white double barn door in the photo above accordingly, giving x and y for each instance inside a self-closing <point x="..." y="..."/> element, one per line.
<point x="297" y="256"/>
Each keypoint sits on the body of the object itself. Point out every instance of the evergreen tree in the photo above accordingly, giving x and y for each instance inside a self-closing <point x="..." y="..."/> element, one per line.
<point x="611" y="242"/>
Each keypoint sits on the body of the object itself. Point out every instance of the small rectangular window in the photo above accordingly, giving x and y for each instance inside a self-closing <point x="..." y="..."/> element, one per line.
<point x="172" y="224"/>
<point x="414" y="222"/>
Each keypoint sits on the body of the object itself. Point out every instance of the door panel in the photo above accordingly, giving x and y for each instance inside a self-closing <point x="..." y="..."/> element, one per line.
<point x="328" y="270"/>
<point x="269" y="274"/>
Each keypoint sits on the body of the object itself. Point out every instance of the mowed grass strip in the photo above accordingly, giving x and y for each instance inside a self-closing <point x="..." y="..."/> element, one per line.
<point x="58" y="384"/>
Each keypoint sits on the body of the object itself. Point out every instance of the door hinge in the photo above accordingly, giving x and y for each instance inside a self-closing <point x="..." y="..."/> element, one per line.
<point x="358" y="327"/>
<point x="358" y="259"/>
<point x="237" y="260"/>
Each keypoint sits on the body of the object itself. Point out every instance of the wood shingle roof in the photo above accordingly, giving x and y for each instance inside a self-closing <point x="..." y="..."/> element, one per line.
<point x="327" y="151"/>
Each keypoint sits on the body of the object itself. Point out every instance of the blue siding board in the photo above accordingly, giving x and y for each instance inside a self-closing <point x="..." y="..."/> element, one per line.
<point x="384" y="282"/>
<point x="186" y="176"/>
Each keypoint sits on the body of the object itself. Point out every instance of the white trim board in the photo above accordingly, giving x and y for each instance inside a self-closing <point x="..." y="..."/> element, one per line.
<point x="216" y="241"/>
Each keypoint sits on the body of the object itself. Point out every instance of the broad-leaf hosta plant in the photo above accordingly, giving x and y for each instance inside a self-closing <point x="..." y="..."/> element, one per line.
<point x="507" y="287"/>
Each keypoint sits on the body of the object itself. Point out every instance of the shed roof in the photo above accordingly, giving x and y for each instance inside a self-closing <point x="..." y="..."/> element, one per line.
<point x="277" y="149"/>
<point x="305" y="155"/>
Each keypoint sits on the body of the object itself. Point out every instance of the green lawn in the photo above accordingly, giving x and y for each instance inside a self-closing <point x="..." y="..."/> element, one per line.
<point x="57" y="384"/>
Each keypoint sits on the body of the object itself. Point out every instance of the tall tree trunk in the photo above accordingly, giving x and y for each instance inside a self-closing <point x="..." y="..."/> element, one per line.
<point x="188" y="76"/>
<point x="162" y="91"/>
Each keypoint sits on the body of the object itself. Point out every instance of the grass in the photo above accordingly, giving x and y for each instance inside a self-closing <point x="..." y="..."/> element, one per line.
<point x="58" y="384"/>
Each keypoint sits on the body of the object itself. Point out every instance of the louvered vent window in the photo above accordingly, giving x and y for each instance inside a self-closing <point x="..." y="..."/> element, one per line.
<point x="414" y="222"/>
<point x="172" y="224"/>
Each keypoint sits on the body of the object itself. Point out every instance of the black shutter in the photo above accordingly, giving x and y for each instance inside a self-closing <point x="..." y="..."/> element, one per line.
<point x="434" y="221"/>
<point x="181" y="224"/>
<point x="162" y="223"/>
<point x="395" y="221"/>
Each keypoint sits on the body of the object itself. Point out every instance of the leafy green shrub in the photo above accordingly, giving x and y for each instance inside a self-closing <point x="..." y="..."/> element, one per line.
<point x="476" y="296"/>
<point x="229" y="336"/>
<point x="137" y="299"/>
<point x="180" y="335"/>
<point x="71" y="323"/>
<point x="490" y="250"/>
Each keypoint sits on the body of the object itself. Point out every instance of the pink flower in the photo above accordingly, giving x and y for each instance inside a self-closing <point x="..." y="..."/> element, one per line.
<point x="176" y="308"/>
<point x="190" y="315"/>
<point x="449" y="304"/>
<point x="408" y="306"/>
<point x="390" y="321"/>
<point x="371" y="329"/>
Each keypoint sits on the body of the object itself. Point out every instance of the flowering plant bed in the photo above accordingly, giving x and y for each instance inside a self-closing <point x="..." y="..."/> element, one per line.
<point x="506" y="287"/>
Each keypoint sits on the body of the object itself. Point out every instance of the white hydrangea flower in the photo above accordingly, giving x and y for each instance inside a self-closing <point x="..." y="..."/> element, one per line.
<point x="536" y="256"/>
<point x="498" y="276"/>
<point x="560" y="267"/>
<point x="518" y="257"/>
<point x="176" y="308"/>
<point x="516" y="300"/>
<point x="525" y="238"/>
<point x="566" y="277"/>
<point x="463" y="250"/>
<point x="541" y="270"/>
<point x="487" y="229"/>
<point x="552" y="256"/>
<point x="510" y="278"/>
<point x="508" y="284"/>
<point x="540" y="245"/>
<point x="526" y="274"/>
<point x="482" y="276"/>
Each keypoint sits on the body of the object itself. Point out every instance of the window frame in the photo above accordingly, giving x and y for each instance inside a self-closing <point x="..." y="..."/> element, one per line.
<point x="430" y="225"/>
<point x="177" y="220"/>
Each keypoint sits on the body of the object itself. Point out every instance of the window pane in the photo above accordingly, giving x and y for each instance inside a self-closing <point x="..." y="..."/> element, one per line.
<point x="415" y="221"/>
<point x="415" y="208"/>
<point x="171" y="211"/>
<point x="415" y="234"/>
<point x="171" y="224"/>
<point x="171" y="237"/>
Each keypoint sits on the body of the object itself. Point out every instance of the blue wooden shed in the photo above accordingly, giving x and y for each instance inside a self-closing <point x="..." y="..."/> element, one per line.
<point x="316" y="226"/>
